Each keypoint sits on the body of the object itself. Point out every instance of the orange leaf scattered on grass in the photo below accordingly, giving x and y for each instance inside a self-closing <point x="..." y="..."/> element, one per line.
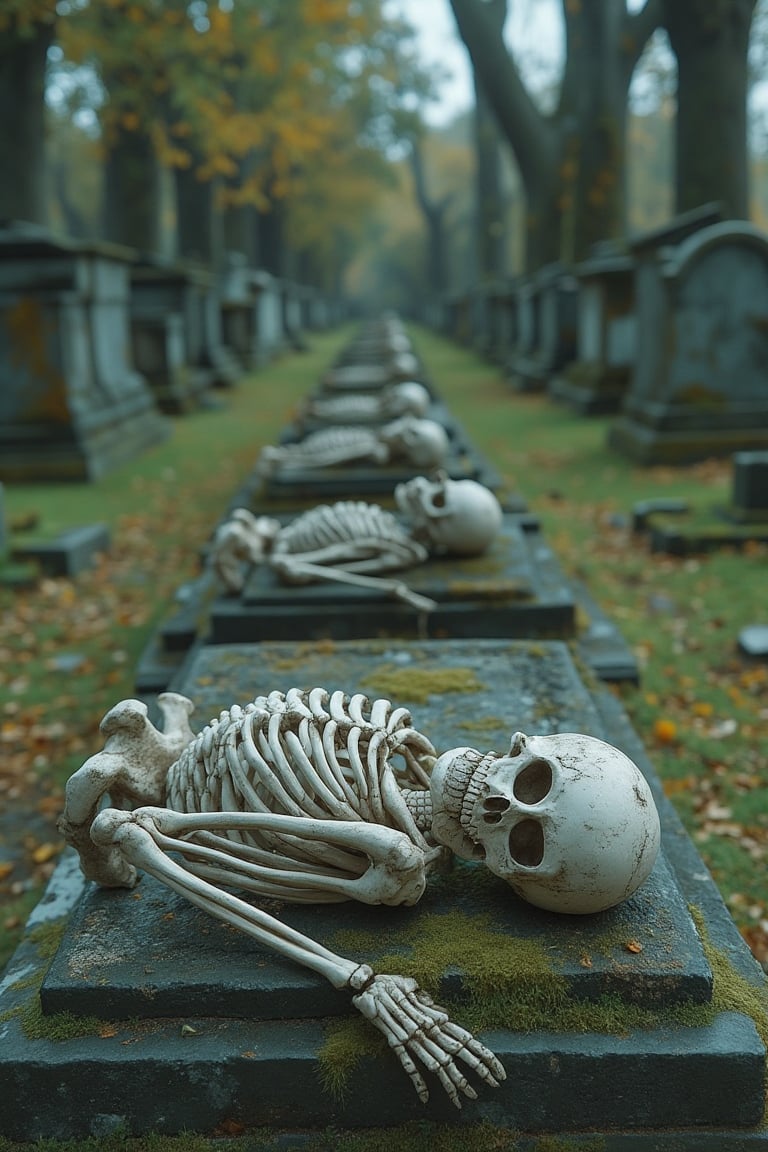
<point x="665" y="731"/>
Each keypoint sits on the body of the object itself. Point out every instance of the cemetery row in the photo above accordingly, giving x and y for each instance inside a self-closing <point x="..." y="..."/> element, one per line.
<point x="636" y="1024"/>
<point x="98" y="342"/>
<point x="669" y="332"/>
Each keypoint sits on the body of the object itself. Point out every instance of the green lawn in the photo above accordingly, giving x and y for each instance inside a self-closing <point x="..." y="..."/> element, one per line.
<point x="69" y="647"/>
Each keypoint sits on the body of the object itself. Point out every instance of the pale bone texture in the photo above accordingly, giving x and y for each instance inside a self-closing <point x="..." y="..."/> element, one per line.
<point x="406" y="399"/>
<point x="317" y="796"/>
<point x="352" y="541"/>
<point x="422" y="443"/>
<point x="238" y="543"/>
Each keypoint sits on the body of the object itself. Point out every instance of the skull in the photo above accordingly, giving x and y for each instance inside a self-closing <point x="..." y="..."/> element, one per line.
<point x="422" y="442"/>
<point x="403" y="366"/>
<point x="461" y="517"/>
<point x="567" y="820"/>
<point x="409" y="397"/>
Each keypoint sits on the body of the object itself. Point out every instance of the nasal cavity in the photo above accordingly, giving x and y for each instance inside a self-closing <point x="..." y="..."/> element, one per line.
<point x="526" y="843"/>
<point x="493" y="808"/>
<point x="533" y="783"/>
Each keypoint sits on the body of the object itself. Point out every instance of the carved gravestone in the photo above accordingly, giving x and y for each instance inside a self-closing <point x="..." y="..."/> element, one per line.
<point x="72" y="405"/>
<point x="698" y="387"/>
<point x="546" y="327"/>
<point x="629" y="1027"/>
<point x="597" y="379"/>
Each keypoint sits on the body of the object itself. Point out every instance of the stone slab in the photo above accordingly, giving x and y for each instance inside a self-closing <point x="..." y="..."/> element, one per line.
<point x="70" y="552"/>
<point x="661" y="1088"/>
<point x="516" y="589"/>
<point x="304" y="425"/>
<point x="363" y="480"/>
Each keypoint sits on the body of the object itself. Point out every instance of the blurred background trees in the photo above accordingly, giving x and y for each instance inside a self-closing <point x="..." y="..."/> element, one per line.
<point x="301" y="132"/>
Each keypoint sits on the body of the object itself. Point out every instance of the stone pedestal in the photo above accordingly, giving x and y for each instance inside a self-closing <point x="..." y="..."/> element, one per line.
<point x="546" y="328"/>
<point x="72" y="405"/>
<point x="176" y="333"/>
<point x="627" y="1027"/>
<point x="271" y="332"/>
<point x="699" y="382"/>
<point x="516" y="589"/>
<point x="597" y="380"/>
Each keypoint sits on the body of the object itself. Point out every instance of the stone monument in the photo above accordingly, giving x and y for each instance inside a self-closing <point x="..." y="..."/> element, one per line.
<point x="698" y="385"/>
<point x="72" y="405"/>
<point x="597" y="379"/>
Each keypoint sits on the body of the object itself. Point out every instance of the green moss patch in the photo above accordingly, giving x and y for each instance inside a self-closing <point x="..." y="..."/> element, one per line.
<point x="418" y="684"/>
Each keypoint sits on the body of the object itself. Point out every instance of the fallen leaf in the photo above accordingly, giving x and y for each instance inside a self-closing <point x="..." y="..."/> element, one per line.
<point x="633" y="946"/>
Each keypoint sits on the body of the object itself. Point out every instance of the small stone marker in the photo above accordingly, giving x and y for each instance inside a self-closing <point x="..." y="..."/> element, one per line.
<point x="753" y="640"/>
<point x="750" y="486"/>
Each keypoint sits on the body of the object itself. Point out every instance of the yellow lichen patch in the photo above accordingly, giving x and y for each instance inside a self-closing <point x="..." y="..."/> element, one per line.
<point x="418" y="684"/>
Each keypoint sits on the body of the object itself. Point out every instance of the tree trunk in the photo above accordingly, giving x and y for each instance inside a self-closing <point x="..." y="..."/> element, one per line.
<point x="132" y="191"/>
<point x="434" y="216"/>
<point x="572" y="162"/>
<point x="23" y="186"/>
<point x="273" y="252"/>
<point x="710" y="39"/>
<point x="489" y="208"/>
<point x="198" y="223"/>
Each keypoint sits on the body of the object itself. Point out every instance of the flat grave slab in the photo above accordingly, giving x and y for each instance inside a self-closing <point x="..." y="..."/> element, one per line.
<point x="362" y="480"/>
<point x="516" y="589"/>
<point x="203" y="1015"/>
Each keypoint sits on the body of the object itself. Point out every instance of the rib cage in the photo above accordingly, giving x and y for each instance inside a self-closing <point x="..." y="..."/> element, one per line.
<point x="354" y="531"/>
<point x="315" y="754"/>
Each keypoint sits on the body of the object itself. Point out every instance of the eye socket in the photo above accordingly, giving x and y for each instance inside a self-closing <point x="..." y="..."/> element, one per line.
<point x="439" y="498"/>
<point x="533" y="783"/>
<point x="526" y="843"/>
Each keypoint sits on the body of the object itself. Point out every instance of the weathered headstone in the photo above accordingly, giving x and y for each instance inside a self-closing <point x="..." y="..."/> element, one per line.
<point x="166" y="334"/>
<point x="596" y="380"/>
<point x="614" y="1026"/>
<point x="698" y="385"/>
<point x="546" y="328"/>
<point x="72" y="405"/>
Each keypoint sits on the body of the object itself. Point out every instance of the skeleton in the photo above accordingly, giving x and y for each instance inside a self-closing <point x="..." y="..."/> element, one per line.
<point x="353" y="542"/>
<point x="422" y="443"/>
<point x="407" y="399"/>
<point x="238" y="544"/>
<point x="311" y="796"/>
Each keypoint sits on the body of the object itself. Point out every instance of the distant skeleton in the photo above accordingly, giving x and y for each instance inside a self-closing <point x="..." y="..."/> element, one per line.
<point x="407" y="399"/>
<point x="353" y="542"/>
<point x="311" y="797"/>
<point x="422" y="443"/>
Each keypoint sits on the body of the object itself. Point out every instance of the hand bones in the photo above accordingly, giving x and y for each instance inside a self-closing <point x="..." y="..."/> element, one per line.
<point x="311" y="796"/>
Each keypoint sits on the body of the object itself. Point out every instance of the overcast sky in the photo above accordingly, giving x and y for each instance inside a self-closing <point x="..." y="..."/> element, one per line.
<point x="537" y="21"/>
